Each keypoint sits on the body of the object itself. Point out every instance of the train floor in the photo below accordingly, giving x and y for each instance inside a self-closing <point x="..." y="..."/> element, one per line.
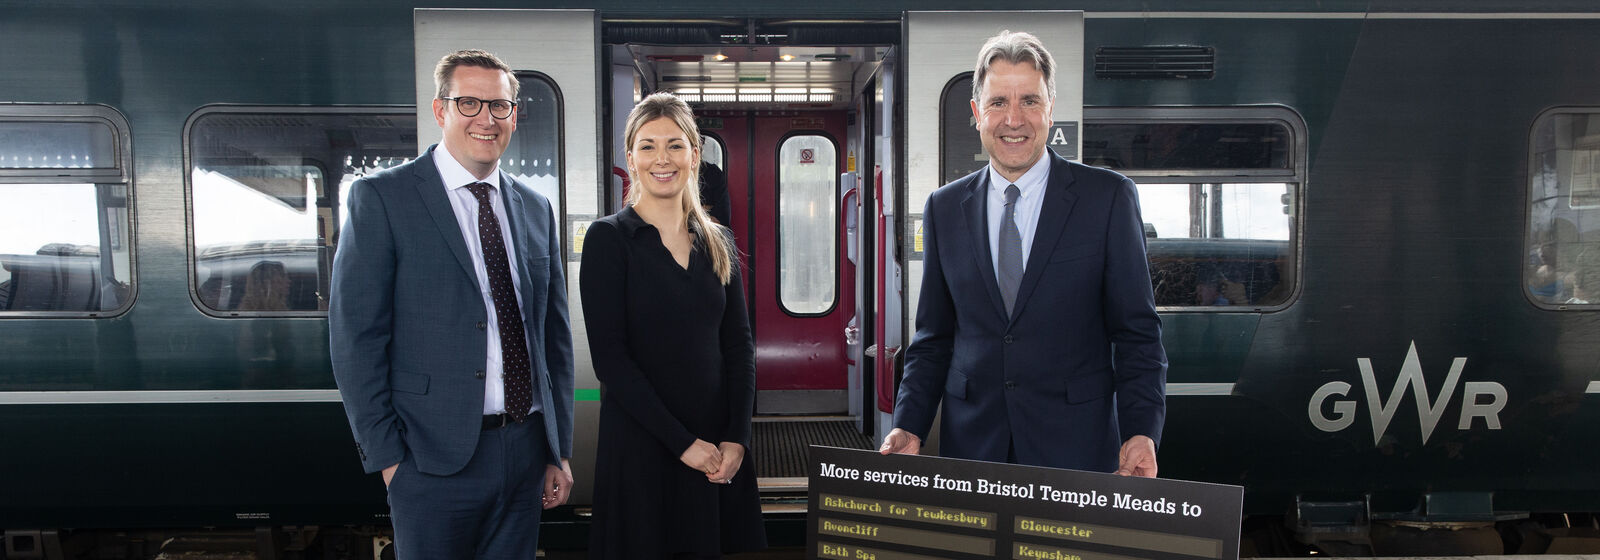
<point x="782" y="443"/>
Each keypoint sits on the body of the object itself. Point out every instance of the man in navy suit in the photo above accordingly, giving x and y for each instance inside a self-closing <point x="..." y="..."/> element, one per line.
<point x="1036" y="327"/>
<point x="449" y="333"/>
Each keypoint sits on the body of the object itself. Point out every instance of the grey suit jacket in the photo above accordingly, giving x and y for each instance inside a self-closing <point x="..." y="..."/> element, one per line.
<point x="407" y="323"/>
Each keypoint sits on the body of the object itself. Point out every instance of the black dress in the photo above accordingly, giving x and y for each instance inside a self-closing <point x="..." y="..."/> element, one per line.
<point x="673" y="353"/>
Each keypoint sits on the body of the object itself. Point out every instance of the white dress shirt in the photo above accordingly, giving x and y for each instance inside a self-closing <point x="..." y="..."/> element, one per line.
<point x="465" y="205"/>
<point x="1029" y="203"/>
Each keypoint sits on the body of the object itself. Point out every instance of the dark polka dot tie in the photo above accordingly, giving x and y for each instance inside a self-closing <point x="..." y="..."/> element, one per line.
<point x="514" y="360"/>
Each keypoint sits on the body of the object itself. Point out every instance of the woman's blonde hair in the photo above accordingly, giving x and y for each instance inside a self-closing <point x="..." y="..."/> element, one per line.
<point x="718" y="238"/>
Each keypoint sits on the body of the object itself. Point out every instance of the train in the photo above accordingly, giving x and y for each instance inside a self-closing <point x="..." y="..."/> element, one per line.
<point x="1373" y="229"/>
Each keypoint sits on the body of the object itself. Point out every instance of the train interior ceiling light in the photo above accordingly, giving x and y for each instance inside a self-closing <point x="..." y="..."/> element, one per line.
<point x="758" y="76"/>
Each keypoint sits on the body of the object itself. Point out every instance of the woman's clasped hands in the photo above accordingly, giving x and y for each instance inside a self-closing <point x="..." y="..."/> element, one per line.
<point x="719" y="462"/>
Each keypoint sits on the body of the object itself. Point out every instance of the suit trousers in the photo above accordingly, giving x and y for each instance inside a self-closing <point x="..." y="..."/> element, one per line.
<point x="488" y="511"/>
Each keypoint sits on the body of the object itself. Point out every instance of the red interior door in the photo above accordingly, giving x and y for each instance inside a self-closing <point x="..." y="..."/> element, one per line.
<point x="803" y="290"/>
<point x="783" y="185"/>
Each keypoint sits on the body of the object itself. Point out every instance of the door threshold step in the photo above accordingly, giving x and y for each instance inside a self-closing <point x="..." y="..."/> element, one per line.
<point x="803" y="418"/>
<point x="784" y="508"/>
<point x="776" y="484"/>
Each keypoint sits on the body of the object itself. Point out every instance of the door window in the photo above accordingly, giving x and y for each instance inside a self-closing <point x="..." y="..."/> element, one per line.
<point x="807" y="222"/>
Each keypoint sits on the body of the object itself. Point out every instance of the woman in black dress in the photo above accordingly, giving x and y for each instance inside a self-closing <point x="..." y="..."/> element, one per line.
<point x="671" y="345"/>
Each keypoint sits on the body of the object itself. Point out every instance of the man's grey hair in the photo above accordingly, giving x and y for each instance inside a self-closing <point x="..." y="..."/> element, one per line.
<point x="1015" y="48"/>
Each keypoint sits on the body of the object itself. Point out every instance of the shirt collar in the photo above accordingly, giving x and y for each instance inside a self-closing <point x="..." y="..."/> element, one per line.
<point x="629" y="221"/>
<point x="456" y="176"/>
<point x="1031" y="181"/>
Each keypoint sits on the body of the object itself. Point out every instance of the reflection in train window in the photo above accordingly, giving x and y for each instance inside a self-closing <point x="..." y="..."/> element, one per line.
<point x="807" y="220"/>
<point x="1561" y="268"/>
<point x="65" y="240"/>
<point x="267" y="188"/>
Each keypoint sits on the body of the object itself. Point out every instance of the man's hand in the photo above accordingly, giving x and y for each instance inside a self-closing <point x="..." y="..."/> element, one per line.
<point x="388" y="474"/>
<point x="732" y="458"/>
<point x="900" y="441"/>
<point x="557" y="484"/>
<point x="1138" y="457"/>
<point x="702" y="456"/>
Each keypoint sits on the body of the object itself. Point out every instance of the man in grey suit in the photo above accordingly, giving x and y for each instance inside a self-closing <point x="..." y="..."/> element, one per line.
<point x="1036" y="328"/>
<point x="449" y="334"/>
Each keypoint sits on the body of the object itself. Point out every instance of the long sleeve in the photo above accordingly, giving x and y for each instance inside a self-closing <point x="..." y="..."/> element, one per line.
<point x="361" y="326"/>
<point x="603" y="281"/>
<point x="738" y="360"/>
<point x="928" y="357"/>
<point x="1131" y="322"/>
<point x="558" y="346"/>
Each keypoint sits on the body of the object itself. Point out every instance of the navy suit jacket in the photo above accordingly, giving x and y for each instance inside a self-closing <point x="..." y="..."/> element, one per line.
<point x="406" y="320"/>
<point x="1076" y="368"/>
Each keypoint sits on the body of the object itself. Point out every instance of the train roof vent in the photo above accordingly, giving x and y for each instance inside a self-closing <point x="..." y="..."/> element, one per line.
<point x="1155" y="63"/>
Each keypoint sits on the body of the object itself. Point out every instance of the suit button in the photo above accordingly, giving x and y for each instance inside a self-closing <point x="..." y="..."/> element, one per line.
<point x="482" y="325"/>
<point x="479" y="374"/>
<point x="1011" y="384"/>
<point x="1009" y="339"/>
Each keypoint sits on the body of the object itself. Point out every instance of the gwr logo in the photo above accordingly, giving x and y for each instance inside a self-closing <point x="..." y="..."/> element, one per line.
<point x="1428" y="410"/>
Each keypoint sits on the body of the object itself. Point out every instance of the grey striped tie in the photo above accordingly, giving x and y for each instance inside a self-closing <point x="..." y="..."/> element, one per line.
<point x="1010" y="250"/>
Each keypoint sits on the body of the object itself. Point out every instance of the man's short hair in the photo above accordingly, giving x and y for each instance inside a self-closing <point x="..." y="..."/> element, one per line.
<point x="1015" y="48"/>
<point x="445" y="71"/>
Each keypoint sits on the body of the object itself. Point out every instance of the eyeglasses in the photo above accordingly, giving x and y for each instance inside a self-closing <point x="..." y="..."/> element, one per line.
<point x="471" y="106"/>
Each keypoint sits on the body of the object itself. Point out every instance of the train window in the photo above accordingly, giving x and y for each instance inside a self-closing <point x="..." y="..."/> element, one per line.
<point x="65" y="238"/>
<point x="266" y="195"/>
<point x="534" y="154"/>
<point x="1218" y="244"/>
<point x="1561" y="268"/>
<point x="960" y="149"/>
<point x="711" y="151"/>
<point x="1217" y="188"/>
<point x="807" y="222"/>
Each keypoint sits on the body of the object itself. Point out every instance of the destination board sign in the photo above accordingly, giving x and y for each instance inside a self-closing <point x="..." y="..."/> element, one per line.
<point x="867" y="506"/>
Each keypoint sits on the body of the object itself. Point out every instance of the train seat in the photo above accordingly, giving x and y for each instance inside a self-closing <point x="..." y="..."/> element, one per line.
<point x="1247" y="272"/>
<point x="60" y="277"/>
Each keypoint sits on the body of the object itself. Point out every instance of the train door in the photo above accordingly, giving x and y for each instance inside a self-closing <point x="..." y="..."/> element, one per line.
<point x="802" y="290"/>
<point x="942" y="47"/>
<point x="555" y="148"/>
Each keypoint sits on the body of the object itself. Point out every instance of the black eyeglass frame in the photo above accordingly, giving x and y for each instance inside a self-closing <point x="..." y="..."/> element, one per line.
<point x="460" y="108"/>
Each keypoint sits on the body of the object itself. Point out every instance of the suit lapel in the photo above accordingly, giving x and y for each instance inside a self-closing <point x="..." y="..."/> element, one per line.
<point x="1058" y="203"/>
<point x="511" y="199"/>
<point x="975" y="208"/>
<point x="431" y="190"/>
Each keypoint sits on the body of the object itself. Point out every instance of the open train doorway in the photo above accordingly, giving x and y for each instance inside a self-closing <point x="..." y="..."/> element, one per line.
<point x="789" y="127"/>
